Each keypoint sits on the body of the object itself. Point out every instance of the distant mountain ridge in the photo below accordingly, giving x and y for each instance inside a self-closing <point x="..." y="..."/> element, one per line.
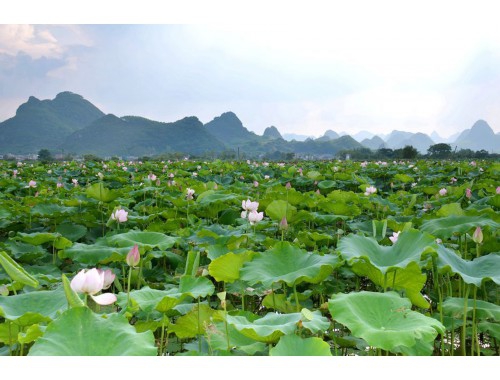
<point x="72" y="124"/>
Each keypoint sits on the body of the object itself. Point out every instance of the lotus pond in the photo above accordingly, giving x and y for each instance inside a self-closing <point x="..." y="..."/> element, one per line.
<point x="250" y="258"/>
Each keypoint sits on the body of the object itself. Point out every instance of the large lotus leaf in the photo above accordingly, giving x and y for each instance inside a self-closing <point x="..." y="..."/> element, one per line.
<point x="152" y="299"/>
<point x="71" y="231"/>
<point x="454" y="306"/>
<point x="293" y="345"/>
<point x="92" y="254"/>
<point x="491" y="328"/>
<point x="25" y="252"/>
<point x="277" y="209"/>
<point x="218" y="339"/>
<point x="461" y="224"/>
<point x="290" y="264"/>
<point x="410" y="279"/>
<point x="37" y="238"/>
<point x="450" y="209"/>
<point x="52" y="210"/>
<point x="472" y="272"/>
<point x="29" y="308"/>
<point x="278" y="302"/>
<point x="211" y="197"/>
<point x="16" y="272"/>
<point x="314" y="321"/>
<point x="193" y="323"/>
<point x="267" y="329"/>
<point x="81" y="332"/>
<point x="143" y="239"/>
<point x="196" y="286"/>
<point x="410" y="247"/>
<point x="100" y="193"/>
<point x="227" y="267"/>
<point x="383" y="320"/>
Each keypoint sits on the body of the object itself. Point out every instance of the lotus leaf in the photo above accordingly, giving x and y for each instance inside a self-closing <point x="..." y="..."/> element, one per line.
<point x="92" y="254"/>
<point x="80" y="332"/>
<point x="290" y="264"/>
<point x="461" y="224"/>
<point x="29" y="308"/>
<point x="454" y="306"/>
<point x="383" y="320"/>
<point x="267" y="329"/>
<point x="472" y="272"/>
<point x="99" y="192"/>
<point x="16" y="272"/>
<point x="144" y="239"/>
<point x="277" y="209"/>
<point x="411" y="246"/>
<point x="194" y="322"/>
<point x="227" y="267"/>
<point x="293" y="345"/>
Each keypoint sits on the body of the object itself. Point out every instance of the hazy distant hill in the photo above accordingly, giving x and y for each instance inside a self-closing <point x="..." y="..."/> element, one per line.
<point x="137" y="136"/>
<point x="374" y="143"/>
<point x="45" y="123"/>
<point x="480" y="136"/>
<point x="229" y="129"/>
<point x="272" y="133"/>
<point x="72" y="124"/>
<point x="296" y="137"/>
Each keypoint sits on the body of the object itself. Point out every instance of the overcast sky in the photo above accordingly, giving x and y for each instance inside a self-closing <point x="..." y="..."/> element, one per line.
<point x="363" y="65"/>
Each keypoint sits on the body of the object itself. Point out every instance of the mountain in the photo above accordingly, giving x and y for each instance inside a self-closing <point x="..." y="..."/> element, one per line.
<point x="229" y="129"/>
<point x="396" y="139"/>
<point x="332" y="135"/>
<point x="479" y="137"/>
<point x="45" y="123"/>
<point x="137" y="136"/>
<point x="296" y="137"/>
<point x="374" y="143"/>
<point x="272" y="133"/>
<point x="362" y="135"/>
<point x="419" y="141"/>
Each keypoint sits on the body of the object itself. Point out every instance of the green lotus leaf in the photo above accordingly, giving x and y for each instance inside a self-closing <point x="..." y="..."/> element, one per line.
<point x="99" y="192"/>
<point x="326" y="184"/>
<point x="143" y="239"/>
<point x="218" y="339"/>
<point x="37" y="238"/>
<point x="461" y="224"/>
<point x="227" y="267"/>
<point x="193" y="323"/>
<point x="93" y="254"/>
<point x="278" y="302"/>
<point x="32" y="333"/>
<point x="450" y="209"/>
<point x="152" y="299"/>
<point x="211" y="197"/>
<point x="52" y="210"/>
<point x="290" y="264"/>
<point x="9" y="333"/>
<point x="383" y="320"/>
<point x="314" y="321"/>
<point x="490" y="328"/>
<point x="472" y="272"/>
<point x="454" y="307"/>
<point x="196" y="286"/>
<point x="16" y="272"/>
<point x="409" y="279"/>
<point x="410" y="247"/>
<point x="267" y="329"/>
<point x="71" y="231"/>
<point x="293" y="345"/>
<point x="80" y="332"/>
<point x="29" y="308"/>
<point x="277" y="209"/>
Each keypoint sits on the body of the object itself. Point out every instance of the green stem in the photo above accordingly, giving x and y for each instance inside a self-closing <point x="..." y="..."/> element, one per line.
<point x="128" y="286"/>
<point x="296" y="298"/>
<point x="162" y="338"/>
<point x="474" y="327"/>
<point x="464" y="327"/>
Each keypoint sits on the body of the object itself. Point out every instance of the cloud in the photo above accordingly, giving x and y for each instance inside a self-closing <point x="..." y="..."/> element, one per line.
<point x="37" y="42"/>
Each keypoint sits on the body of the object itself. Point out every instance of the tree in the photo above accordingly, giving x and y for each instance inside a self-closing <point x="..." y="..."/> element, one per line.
<point x="44" y="156"/>
<point x="409" y="152"/>
<point x="440" y="150"/>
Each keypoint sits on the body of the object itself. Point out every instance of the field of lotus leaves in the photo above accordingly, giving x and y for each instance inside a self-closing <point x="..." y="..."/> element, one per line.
<point x="193" y="258"/>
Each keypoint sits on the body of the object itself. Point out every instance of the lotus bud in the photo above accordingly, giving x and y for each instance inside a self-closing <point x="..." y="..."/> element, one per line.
<point x="283" y="224"/>
<point x="133" y="257"/>
<point x="468" y="193"/>
<point x="477" y="237"/>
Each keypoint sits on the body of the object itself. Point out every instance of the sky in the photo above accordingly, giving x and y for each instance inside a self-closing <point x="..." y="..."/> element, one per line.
<point x="346" y="66"/>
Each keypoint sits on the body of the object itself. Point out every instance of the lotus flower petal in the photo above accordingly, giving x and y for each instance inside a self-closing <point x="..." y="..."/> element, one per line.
<point x="104" y="299"/>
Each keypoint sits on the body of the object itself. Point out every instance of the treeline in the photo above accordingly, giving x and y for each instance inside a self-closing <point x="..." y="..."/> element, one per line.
<point x="436" y="151"/>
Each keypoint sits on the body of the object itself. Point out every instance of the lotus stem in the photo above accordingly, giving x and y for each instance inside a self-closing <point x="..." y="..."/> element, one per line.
<point x="464" y="327"/>
<point x="296" y="298"/>
<point x="128" y="286"/>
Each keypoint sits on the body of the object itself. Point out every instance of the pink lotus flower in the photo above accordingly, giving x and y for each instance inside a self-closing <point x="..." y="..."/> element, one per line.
<point x="75" y="182"/>
<point x="254" y="216"/>
<point x="151" y="177"/>
<point x="394" y="237"/>
<point x="370" y="190"/>
<point x="32" y="183"/>
<point x="189" y="194"/>
<point x="248" y="206"/>
<point x="498" y="190"/>
<point x="133" y="257"/>
<point x="443" y="192"/>
<point x="91" y="282"/>
<point x="59" y="184"/>
<point x="288" y="186"/>
<point x="255" y="183"/>
<point x="283" y="224"/>
<point x="119" y="215"/>
<point x="468" y="193"/>
<point x="109" y="277"/>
